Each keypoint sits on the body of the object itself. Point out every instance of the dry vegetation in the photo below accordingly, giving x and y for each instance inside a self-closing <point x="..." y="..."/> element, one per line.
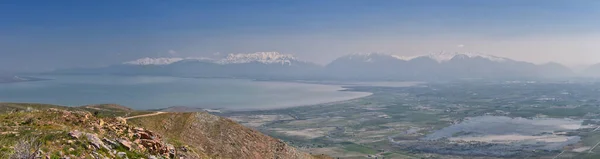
<point x="100" y="131"/>
<point x="218" y="137"/>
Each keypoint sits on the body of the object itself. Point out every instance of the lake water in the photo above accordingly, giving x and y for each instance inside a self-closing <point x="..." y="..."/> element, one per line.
<point x="143" y="92"/>
<point x="536" y="133"/>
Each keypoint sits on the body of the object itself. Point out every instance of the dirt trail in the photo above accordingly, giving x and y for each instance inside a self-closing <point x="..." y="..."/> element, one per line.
<point x="145" y="115"/>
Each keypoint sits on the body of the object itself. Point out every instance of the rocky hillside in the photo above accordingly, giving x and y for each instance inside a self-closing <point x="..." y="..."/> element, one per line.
<point x="217" y="137"/>
<point x="112" y="131"/>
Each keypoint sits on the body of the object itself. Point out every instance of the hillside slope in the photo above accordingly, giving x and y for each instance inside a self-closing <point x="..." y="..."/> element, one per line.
<point x="101" y="131"/>
<point x="217" y="137"/>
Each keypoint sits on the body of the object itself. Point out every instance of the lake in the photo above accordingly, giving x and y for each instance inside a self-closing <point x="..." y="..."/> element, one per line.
<point x="150" y="92"/>
<point x="537" y="133"/>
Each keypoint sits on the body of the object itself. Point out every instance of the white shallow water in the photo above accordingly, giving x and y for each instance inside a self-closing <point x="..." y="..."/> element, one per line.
<point x="144" y="92"/>
<point x="514" y="131"/>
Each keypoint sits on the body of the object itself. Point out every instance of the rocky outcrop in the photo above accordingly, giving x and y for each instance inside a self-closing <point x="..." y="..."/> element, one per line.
<point x="77" y="133"/>
<point x="88" y="136"/>
<point x="134" y="139"/>
<point x="218" y="137"/>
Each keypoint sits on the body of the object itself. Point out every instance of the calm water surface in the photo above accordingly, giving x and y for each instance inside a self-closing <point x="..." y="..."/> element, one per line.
<point x="143" y="92"/>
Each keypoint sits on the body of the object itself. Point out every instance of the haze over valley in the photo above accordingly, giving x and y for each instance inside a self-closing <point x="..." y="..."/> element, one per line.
<point x="364" y="66"/>
<point x="310" y="79"/>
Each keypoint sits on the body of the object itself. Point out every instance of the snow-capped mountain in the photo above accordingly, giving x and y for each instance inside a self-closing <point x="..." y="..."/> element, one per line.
<point x="258" y="57"/>
<point x="263" y="65"/>
<point x="439" y="57"/>
<point x="262" y="57"/>
<point x="153" y="61"/>
<point x="365" y="66"/>
<point x="368" y="58"/>
<point x="441" y="65"/>
<point x="447" y="56"/>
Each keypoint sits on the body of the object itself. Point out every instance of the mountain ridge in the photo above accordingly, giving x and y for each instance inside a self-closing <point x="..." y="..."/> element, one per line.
<point x="439" y="57"/>
<point x="260" y="57"/>
<point x="437" y="66"/>
<point x="363" y="66"/>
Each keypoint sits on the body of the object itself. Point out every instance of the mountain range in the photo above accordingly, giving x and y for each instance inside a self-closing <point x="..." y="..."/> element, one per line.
<point x="262" y="65"/>
<point x="442" y="65"/>
<point x="366" y="66"/>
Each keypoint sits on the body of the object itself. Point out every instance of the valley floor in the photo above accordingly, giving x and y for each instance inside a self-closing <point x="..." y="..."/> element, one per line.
<point x="449" y="120"/>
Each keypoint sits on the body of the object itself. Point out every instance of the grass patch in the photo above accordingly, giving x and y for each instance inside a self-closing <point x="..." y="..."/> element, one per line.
<point x="591" y="139"/>
<point x="348" y="146"/>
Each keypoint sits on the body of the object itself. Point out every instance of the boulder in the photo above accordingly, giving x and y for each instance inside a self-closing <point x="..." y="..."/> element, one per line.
<point x="110" y="142"/>
<point x="121" y="120"/>
<point x="75" y="134"/>
<point x="122" y="154"/>
<point x="95" y="141"/>
<point x="125" y="143"/>
<point x="145" y="135"/>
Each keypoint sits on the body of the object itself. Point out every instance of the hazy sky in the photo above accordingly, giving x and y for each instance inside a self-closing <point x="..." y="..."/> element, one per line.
<point x="42" y="35"/>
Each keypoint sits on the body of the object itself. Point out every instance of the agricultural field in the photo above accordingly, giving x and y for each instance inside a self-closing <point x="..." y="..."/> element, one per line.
<point x="450" y="120"/>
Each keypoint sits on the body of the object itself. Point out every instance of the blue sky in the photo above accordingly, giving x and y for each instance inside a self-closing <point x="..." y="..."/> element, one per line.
<point x="42" y="35"/>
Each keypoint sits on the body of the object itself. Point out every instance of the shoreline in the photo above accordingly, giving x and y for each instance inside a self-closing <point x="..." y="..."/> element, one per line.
<point x="228" y="110"/>
<point x="292" y="94"/>
<point x="368" y="94"/>
<point x="25" y="79"/>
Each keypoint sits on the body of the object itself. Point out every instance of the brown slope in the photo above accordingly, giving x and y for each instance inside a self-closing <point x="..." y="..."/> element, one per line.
<point x="218" y="137"/>
<point x="108" y="107"/>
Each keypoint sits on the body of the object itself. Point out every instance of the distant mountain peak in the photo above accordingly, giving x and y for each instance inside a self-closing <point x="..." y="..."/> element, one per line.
<point x="447" y="56"/>
<point x="439" y="57"/>
<point x="154" y="61"/>
<point x="365" y="54"/>
<point x="260" y="57"/>
<point x="366" y="57"/>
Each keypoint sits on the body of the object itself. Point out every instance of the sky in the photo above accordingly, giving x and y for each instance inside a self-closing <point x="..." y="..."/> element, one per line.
<point x="46" y="35"/>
